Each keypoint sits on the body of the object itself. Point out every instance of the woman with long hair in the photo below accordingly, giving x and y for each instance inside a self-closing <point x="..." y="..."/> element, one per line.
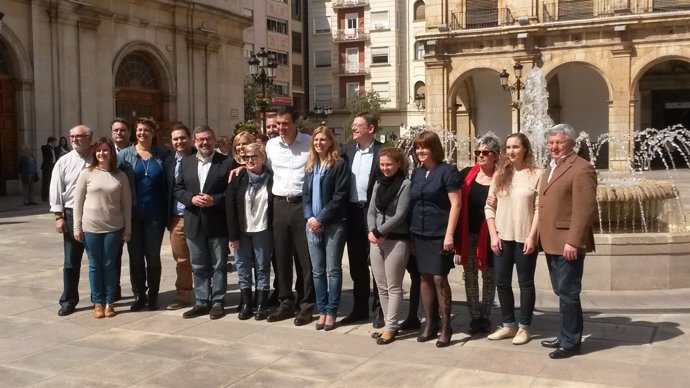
<point x="512" y="221"/>
<point x="473" y="246"/>
<point x="325" y="194"/>
<point x="144" y="165"/>
<point x="389" y="237"/>
<point x="63" y="146"/>
<point x="102" y="220"/>
<point x="435" y="196"/>
<point x="249" y="208"/>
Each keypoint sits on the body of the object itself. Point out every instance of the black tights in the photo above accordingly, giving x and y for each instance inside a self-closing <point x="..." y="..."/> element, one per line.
<point x="436" y="298"/>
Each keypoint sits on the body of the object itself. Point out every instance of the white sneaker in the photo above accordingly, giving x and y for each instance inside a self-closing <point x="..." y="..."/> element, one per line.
<point x="522" y="337"/>
<point x="503" y="332"/>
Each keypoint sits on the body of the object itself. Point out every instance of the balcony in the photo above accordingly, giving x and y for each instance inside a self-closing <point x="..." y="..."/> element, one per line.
<point x="481" y="18"/>
<point x="352" y="69"/>
<point x="341" y="4"/>
<point x="351" y="35"/>
<point x="564" y="10"/>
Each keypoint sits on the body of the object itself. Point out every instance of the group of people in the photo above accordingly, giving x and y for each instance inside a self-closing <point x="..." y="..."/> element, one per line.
<point x="292" y="203"/>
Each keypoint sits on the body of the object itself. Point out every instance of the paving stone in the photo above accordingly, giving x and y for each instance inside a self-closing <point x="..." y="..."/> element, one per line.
<point x="227" y="329"/>
<point x="196" y="374"/>
<point x="273" y="379"/>
<point x="117" y="339"/>
<point x="60" y="358"/>
<point x="316" y="365"/>
<point x="245" y="356"/>
<point x="125" y="368"/>
<point x="591" y="371"/>
<point x="12" y="377"/>
<point x="663" y="376"/>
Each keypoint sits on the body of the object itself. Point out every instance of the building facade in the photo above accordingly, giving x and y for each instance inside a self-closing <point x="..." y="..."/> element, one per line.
<point x="69" y="62"/>
<point x="612" y="66"/>
<point x="361" y="45"/>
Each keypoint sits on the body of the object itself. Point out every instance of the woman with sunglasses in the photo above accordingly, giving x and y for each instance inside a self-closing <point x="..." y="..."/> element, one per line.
<point x="473" y="246"/>
<point x="512" y="220"/>
<point x="249" y="207"/>
<point x="325" y="194"/>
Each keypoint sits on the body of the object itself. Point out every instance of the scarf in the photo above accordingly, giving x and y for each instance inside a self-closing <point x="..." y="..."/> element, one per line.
<point x="464" y="225"/>
<point x="388" y="189"/>
<point x="256" y="182"/>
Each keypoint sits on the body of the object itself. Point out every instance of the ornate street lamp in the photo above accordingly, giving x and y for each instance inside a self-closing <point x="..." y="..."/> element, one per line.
<point x="323" y="111"/>
<point x="262" y="67"/>
<point x="517" y="87"/>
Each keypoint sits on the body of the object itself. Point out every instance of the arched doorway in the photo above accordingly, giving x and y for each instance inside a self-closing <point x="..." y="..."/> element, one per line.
<point x="8" y="122"/>
<point x="139" y="92"/>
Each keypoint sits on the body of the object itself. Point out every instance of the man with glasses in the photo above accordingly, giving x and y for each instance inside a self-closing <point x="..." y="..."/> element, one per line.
<point x="62" y="185"/>
<point x="201" y="186"/>
<point x="362" y="156"/>
<point x="567" y="207"/>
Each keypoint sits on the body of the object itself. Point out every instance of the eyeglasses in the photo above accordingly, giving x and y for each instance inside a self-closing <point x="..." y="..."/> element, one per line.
<point x="252" y="158"/>
<point x="483" y="152"/>
<point x="78" y="136"/>
<point x="556" y="143"/>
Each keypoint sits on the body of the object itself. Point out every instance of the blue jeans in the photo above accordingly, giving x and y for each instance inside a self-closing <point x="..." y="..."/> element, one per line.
<point x="525" y="265"/>
<point x="255" y="254"/>
<point x="144" y="249"/>
<point x="566" y="279"/>
<point x="209" y="265"/>
<point x="102" y="249"/>
<point x="74" y="250"/>
<point x="326" y="253"/>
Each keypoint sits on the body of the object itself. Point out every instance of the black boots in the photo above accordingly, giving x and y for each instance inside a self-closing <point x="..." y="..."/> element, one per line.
<point x="246" y="306"/>
<point x="261" y="305"/>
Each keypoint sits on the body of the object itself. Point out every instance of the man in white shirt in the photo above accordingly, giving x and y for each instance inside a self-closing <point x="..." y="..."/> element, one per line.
<point x="62" y="184"/>
<point x="287" y="156"/>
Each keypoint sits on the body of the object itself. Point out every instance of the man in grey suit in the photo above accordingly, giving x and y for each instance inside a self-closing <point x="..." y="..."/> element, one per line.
<point x="567" y="206"/>
<point x="200" y="187"/>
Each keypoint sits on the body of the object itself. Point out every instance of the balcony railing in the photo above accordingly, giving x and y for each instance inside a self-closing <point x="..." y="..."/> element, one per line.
<point x="351" y="35"/>
<point x="481" y="18"/>
<point x="346" y="69"/>
<point x="338" y="4"/>
<point x="588" y="9"/>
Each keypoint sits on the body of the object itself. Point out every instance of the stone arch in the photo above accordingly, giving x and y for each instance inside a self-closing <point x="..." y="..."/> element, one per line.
<point x="551" y="71"/>
<point x="419" y="10"/>
<point x="157" y="59"/>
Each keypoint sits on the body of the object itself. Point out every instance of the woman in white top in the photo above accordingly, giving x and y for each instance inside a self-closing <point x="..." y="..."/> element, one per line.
<point x="512" y="221"/>
<point x="249" y="209"/>
<point x="102" y="220"/>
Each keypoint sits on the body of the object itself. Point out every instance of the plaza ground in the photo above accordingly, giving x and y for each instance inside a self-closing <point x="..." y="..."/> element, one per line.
<point x="632" y="338"/>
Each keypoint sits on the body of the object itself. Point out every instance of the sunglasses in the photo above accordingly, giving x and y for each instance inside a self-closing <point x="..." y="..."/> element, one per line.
<point x="253" y="158"/>
<point x="483" y="153"/>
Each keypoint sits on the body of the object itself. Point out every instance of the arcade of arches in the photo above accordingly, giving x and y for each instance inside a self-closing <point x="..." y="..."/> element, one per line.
<point x="599" y="80"/>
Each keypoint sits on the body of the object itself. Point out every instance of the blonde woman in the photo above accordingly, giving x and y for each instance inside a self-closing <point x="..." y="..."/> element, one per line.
<point x="512" y="221"/>
<point x="241" y="140"/>
<point x="325" y="195"/>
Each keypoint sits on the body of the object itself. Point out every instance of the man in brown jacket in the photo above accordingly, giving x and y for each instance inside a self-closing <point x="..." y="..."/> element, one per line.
<point x="567" y="206"/>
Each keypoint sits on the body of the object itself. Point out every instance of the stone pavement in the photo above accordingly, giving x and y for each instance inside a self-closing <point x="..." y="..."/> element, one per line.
<point x="632" y="339"/>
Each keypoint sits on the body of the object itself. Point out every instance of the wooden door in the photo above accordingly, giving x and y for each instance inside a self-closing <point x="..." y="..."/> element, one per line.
<point x="8" y="133"/>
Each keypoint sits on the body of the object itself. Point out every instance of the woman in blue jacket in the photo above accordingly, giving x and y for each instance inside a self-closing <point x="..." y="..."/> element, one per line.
<point x="325" y="191"/>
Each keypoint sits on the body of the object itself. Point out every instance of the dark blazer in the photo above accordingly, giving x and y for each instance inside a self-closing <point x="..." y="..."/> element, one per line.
<point x="47" y="152"/>
<point x="234" y="203"/>
<point x="348" y="153"/>
<point x="335" y="189"/>
<point x="169" y="167"/>
<point x="567" y="206"/>
<point x="207" y="222"/>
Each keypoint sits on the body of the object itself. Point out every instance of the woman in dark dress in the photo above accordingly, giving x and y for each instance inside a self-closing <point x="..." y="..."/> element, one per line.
<point x="435" y="198"/>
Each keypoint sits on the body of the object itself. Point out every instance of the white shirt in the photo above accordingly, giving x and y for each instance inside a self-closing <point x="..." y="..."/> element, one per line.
<point x="203" y="168"/>
<point x="287" y="163"/>
<point x="64" y="180"/>
<point x="361" y="169"/>
<point x="257" y="216"/>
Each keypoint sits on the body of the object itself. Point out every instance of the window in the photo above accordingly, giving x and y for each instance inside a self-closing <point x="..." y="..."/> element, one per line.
<point x="296" y="9"/>
<point x="248" y="50"/>
<point x="321" y="25"/>
<point x="382" y="89"/>
<point x="322" y="94"/>
<point x="380" y="21"/>
<point x="322" y="59"/>
<point x="419" y="50"/>
<point x="296" y="42"/>
<point x="297" y="76"/>
<point x="280" y="89"/>
<point x="281" y="58"/>
<point x="278" y="26"/>
<point x="419" y="10"/>
<point x="379" y="55"/>
<point x="135" y="71"/>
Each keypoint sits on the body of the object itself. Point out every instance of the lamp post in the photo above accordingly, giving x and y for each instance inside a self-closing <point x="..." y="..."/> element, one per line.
<point x="323" y="111"/>
<point x="516" y="87"/>
<point x="262" y="67"/>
